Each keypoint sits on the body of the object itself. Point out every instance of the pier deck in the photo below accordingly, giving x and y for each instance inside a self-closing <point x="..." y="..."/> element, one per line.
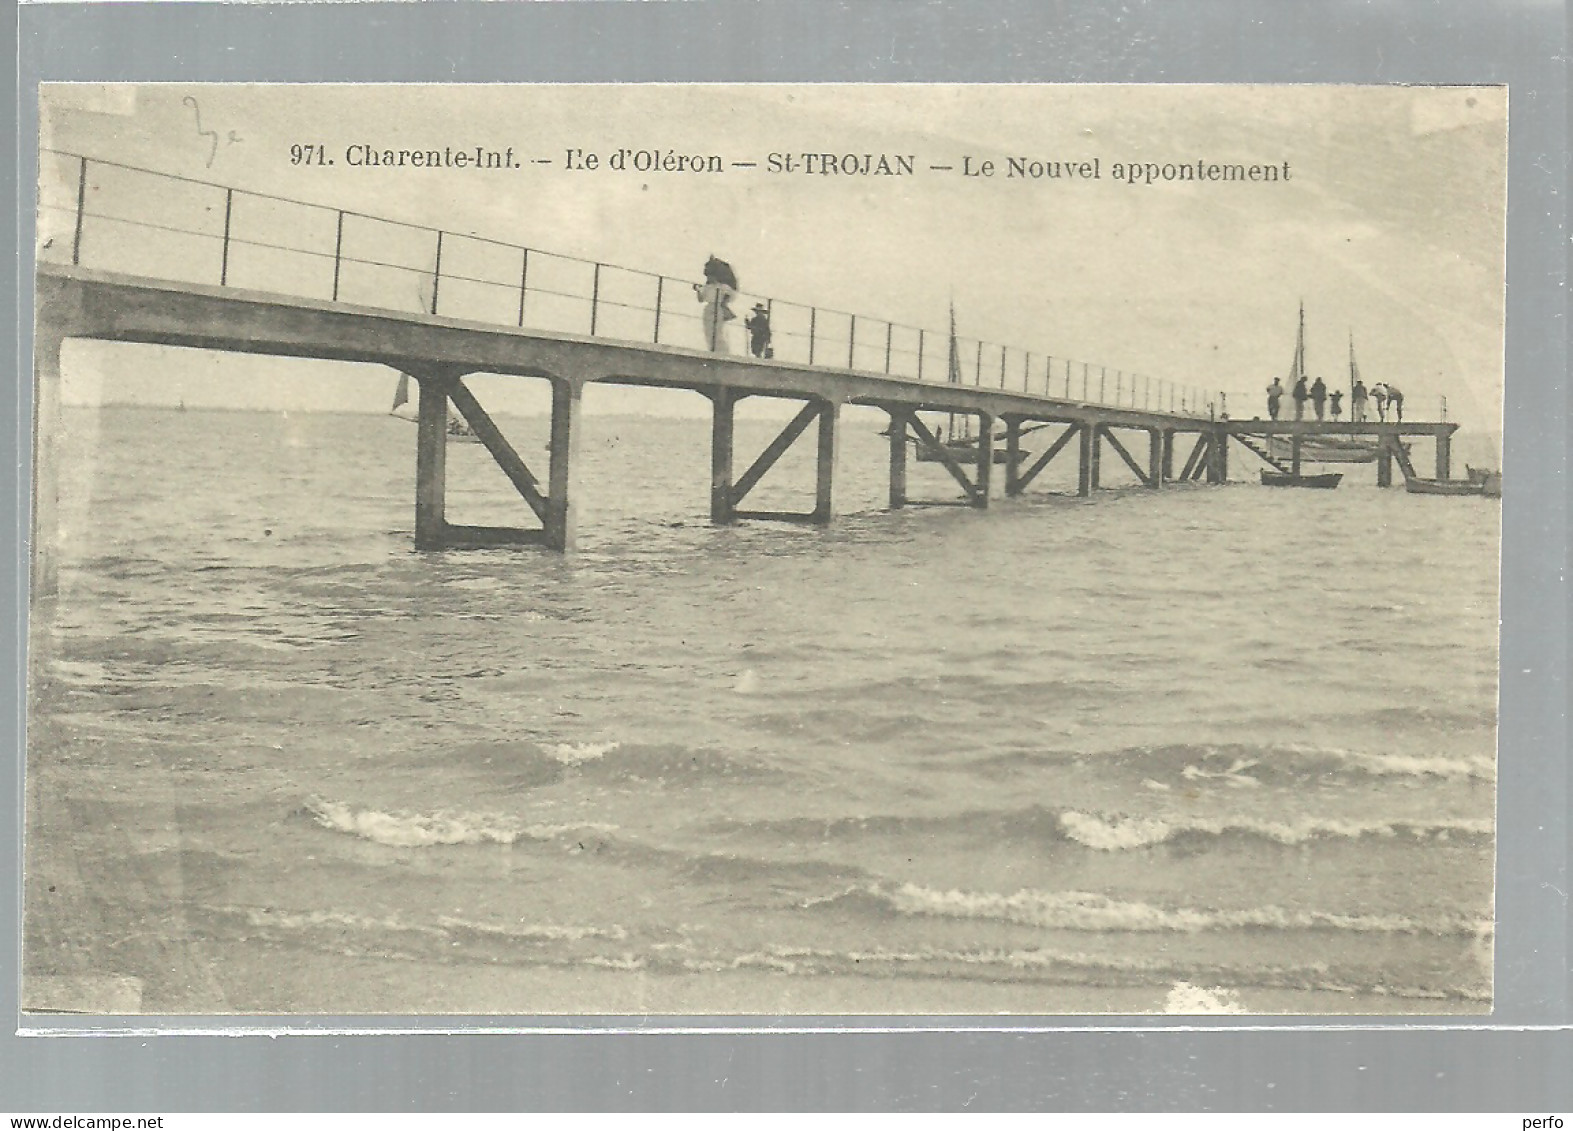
<point x="270" y="292"/>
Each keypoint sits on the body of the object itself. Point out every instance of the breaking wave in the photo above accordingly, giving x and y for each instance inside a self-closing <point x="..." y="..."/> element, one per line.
<point x="1089" y="911"/>
<point x="1106" y="832"/>
<point x="1114" y="833"/>
<point x="423" y="830"/>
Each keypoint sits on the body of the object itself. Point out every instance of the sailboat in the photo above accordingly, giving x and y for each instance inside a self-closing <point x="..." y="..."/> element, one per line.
<point x="458" y="427"/>
<point x="957" y="439"/>
<point x="1297" y="374"/>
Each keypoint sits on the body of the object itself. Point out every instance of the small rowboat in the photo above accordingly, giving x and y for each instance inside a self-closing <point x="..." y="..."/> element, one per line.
<point x="1326" y="480"/>
<point x="1417" y="486"/>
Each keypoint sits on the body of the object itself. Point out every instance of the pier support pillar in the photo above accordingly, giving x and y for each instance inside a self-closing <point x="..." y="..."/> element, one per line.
<point x="980" y="497"/>
<point x="722" y="510"/>
<point x="898" y="461"/>
<point x="1444" y="457"/>
<point x="1012" y="456"/>
<point x="431" y="464"/>
<point x="825" y="464"/>
<point x="1384" y="463"/>
<point x="561" y="511"/>
<point x="1155" y="461"/>
<point x="1168" y="455"/>
<point x="1294" y="456"/>
<point x="1091" y="449"/>
<point x="1218" y="457"/>
<point x="45" y="578"/>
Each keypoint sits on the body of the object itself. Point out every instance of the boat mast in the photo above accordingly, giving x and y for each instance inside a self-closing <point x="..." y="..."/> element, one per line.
<point x="1354" y="373"/>
<point x="1299" y="346"/>
<point x="953" y="376"/>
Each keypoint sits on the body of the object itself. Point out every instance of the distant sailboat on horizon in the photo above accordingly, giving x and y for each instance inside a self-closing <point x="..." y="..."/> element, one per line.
<point x="458" y="427"/>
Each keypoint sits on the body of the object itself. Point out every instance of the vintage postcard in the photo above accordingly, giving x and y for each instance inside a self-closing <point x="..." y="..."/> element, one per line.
<point x="810" y="550"/>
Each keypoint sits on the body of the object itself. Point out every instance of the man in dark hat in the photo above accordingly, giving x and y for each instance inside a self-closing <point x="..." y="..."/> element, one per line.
<point x="758" y="326"/>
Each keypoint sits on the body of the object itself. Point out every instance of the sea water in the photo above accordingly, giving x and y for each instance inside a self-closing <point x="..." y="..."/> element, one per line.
<point x="1199" y="749"/>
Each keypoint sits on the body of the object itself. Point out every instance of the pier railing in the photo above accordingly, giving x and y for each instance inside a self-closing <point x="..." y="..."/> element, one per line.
<point x="118" y="217"/>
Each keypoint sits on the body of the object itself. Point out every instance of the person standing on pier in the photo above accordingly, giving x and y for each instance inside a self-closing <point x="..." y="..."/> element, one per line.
<point x="717" y="292"/>
<point x="1318" y="396"/>
<point x="1357" y="399"/>
<point x="1275" y="393"/>
<point x="758" y="327"/>
<point x="1379" y="395"/>
<point x="1300" y="395"/>
<point x="1335" y="404"/>
<point x="1395" y="401"/>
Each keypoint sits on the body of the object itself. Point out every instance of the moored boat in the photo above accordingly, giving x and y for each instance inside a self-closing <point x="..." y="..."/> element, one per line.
<point x="1418" y="486"/>
<point x="964" y="452"/>
<point x="958" y="442"/>
<point x="1328" y="449"/>
<point x="1325" y="480"/>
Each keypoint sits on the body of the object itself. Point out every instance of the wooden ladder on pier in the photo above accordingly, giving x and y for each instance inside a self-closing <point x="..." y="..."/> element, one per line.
<point x="1401" y="456"/>
<point x="1264" y="454"/>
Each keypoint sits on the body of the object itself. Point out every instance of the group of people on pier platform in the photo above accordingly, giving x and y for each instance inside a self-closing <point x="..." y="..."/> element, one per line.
<point x="1386" y="396"/>
<point x="716" y="293"/>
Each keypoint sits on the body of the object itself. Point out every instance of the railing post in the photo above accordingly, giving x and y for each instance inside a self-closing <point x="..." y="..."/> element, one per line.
<point x="1026" y="372"/>
<point x="223" y="266"/>
<point x="1084" y="373"/>
<point x="813" y="318"/>
<point x="977" y="366"/>
<point x="890" y="329"/>
<point x="81" y="208"/>
<point x="852" y="341"/>
<point x="338" y="251"/>
<point x="436" y="274"/>
<point x="1004" y="357"/>
<point x="595" y="297"/>
<point x="524" y="282"/>
<point x="920" y="352"/>
<point x="1103" y="384"/>
<point x="660" y="291"/>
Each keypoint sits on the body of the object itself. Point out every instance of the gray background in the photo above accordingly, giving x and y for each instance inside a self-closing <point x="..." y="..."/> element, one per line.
<point x="1276" y="1066"/>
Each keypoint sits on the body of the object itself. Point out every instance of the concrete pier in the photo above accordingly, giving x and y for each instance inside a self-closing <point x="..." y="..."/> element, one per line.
<point x="441" y="352"/>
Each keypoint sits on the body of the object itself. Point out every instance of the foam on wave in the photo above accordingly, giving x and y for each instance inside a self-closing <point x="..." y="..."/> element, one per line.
<point x="1090" y="911"/>
<point x="400" y="829"/>
<point x="1113" y="833"/>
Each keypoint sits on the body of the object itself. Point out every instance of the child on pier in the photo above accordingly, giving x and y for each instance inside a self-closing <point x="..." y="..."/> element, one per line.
<point x="1335" y="404"/>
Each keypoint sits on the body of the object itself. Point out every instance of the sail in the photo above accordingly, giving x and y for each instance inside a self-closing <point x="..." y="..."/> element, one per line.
<point x="401" y="393"/>
<point x="1297" y="369"/>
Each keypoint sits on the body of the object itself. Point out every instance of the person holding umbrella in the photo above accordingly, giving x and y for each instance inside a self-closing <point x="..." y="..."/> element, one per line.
<point x="717" y="293"/>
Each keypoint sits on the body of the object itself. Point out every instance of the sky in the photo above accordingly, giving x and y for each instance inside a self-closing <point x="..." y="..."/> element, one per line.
<point x="1389" y="228"/>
